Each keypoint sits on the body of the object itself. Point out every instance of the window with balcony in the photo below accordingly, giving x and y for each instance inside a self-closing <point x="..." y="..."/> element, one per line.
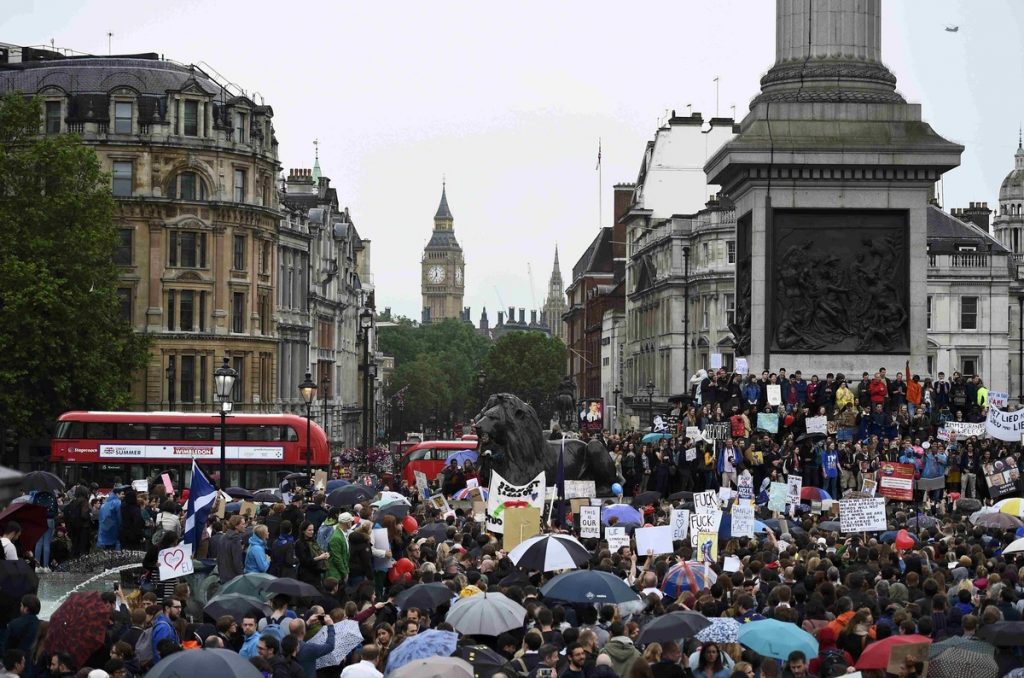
<point x="968" y="313"/>
<point x="189" y="186"/>
<point x="187" y="249"/>
<point x="122" y="117"/>
<point x="123" y="252"/>
<point x="53" y="117"/>
<point x="239" y="192"/>
<point x="122" y="178"/>
<point x="238" y="312"/>
<point x="191" y="119"/>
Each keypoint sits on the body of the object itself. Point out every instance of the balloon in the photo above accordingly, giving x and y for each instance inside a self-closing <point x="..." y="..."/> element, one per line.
<point x="904" y="540"/>
<point x="410" y="525"/>
<point x="617" y="490"/>
<point x="392" y="575"/>
<point x="404" y="566"/>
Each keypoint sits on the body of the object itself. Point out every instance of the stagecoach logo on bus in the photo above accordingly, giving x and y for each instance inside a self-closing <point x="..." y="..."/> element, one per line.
<point x="237" y="452"/>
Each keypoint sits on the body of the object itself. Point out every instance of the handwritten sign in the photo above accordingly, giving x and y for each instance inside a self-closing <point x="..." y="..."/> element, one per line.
<point x="705" y="502"/>
<point x="716" y="361"/>
<point x="692" y="432"/>
<point x="616" y="537"/>
<point x="743" y="520"/>
<point x="680" y="522"/>
<point x="774" y="394"/>
<point x="817" y="425"/>
<point x="777" y="497"/>
<point x="575" y="489"/>
<point x="717" y="430"/>
<point x="140" y="485"/>
<point x="768" y="422"/>
<point x="998" y="398"/>
<point x="590" y="522"/>
<point x="654" y="540"/>
<point x="421" y="483"/>
<point x="504" y="494"/>
<point x="175" y="561"/>
<point x="745" y="486"/>
<point x="862" y="515"/>
<point x="247" y="509"/>
<point x="793" y="486"/>
<point x="741" y="366"/>
<point x="691" y="453"/>
<point x="962" y="430"/>
<point x="704" y="522"/>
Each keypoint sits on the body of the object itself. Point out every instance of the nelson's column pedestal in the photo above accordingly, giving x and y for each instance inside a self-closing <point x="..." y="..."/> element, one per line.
<point x="831" y="174"/>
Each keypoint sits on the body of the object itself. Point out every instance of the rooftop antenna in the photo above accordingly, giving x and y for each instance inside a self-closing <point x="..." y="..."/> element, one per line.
<point x="733" y="107"/>
<point x="689" y="110"/>
<point x="110" y="36"/>
<point x="316" y="149"/>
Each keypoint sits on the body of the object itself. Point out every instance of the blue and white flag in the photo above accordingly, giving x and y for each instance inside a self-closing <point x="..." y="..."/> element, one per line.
<point x="201" y="496"/>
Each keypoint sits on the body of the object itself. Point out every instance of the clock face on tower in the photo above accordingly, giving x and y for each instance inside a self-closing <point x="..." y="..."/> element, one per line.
<point x="458" y="276"/>
<point x="435" y="274"/>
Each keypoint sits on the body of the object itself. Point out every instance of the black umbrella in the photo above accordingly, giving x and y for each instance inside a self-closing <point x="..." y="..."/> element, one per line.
<point x="674" y="626"/>
<point x="515" y="579"/>
<point x="350" y="495"/>
<point x="296" y="476"/>
<point x="291" y="587"/>
<point x="424" y="596"/>
<point x="16" y="579"/>
<point x="644" y="498"/>
<point x="239" y="493"/>
<point x="486" y="662"/>
<point x="38" y="481"/>
<point x="235" y="605"/>
<point x="266" y="496"/>
<point x="830" y="525"/>
<point x="1003" y="634"/>
<point x="204" y="662"/>
<point x="685" y="495"/>
<point x="397" y="509"/>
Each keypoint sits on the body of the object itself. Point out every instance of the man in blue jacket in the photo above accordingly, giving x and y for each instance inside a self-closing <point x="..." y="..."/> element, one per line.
<point x="109" y="535"/>
<point x="309" y="651"/>
<point x="163" y="625"/>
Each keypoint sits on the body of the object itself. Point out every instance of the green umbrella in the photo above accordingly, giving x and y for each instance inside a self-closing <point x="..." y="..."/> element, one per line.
<point x="248" y="584"/>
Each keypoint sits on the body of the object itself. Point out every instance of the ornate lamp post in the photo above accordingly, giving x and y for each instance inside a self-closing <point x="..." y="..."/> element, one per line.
<point x="308" y="391"/>
<point x="223" y="383"/>
<point x="365" y="323"/>
<point x="325" y="389"/>
<point x="650" y="389"/>
<point x="616" y="392"/>
<point x="481" y="383"/>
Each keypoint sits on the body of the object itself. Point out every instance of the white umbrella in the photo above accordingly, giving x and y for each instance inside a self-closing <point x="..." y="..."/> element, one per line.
<point x="347" y="637"/>
<point x="1016" y="546"/>
<point x="485" y="614"/>
<point x="388" y="497"/>
<point x="549" y="552"/>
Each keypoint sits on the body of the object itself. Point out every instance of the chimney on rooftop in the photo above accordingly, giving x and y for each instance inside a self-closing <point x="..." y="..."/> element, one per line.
<point x="978" y="214"/>
<point x="300" y="180"/>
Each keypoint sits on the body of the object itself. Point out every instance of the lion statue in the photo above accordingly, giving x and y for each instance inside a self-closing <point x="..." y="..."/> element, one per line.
<point x="511" y="442"/>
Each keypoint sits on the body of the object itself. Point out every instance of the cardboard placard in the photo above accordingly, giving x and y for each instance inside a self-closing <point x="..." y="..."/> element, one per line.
<point x="320" y="480"/>
<point x="175" y="561"/>
<point x="479" y="510"/>
<point x="653" y="540"/>
<point x="817" y="424"/>
<point x="862" y="515"/>
<point x="741" y="366"/>
<point x="247" y="509"/>
<point x="167" y="484"/>
<point x="777" y="497"/>
<point x="140" y="485"/>
<point x="908" y="653"/>
<point x="732" y="564"/>
<point x="707" y="548"/>
<point x="590" y="522"/>
<point x="575" y="489"/>
<point x="743" y="520"/>
<point x="774" y="394"/>
<point x="680" y="522"/>
<point x="616" y="538"/>
<point x="520" y="523"/>
<point x="578" y="503"/>
<point x="504" y="495"/>
<point x="705" y="502"/>
<point x="439" y="502"/>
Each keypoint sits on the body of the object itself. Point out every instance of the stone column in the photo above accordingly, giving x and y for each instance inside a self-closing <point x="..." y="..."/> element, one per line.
<point x="828" y="29"/>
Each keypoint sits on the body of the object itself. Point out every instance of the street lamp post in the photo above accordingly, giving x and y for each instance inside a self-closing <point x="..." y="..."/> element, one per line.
<point x="170" y="382"/>
<point x="481" y="382"/>
<point x="308" y="390"/>
<point x="325" y="388"/>
<point x="224" y="382"/>
<point x="365" y="323"/>
<point x="650" y="388"/>
<point x="615" y="422"/>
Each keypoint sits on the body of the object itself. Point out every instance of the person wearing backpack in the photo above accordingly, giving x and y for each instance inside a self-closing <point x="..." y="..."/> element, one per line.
<point x="830" y="657"/>
<point x="162" y="628"/>
<point x="231" y="551"/>
<point x="283" y="561"/>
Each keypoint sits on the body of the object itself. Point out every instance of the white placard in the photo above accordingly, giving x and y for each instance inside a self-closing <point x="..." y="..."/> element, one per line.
<point x="716" y="361"/>
<point x="817" y="424"/>
<point x="590" y="522"/>
<point x="140" y="485"/>
<point x="862" y="515"/>
<point x="380" y="539"/>
<point x="616" y="538"/>
<point x="741" y="366"/>
<point x="794" y="484"/>
<point x="962" y="429"/>
<point x="421" y="482"/>
<point x="656" y="540"/>
<point x="502" y="491"/>
<point x="175" y="561"/>
<point x="680" y="522"/>
<point x="724" y="495"/>
<point x="742" y="520"/>
<point x="705" y="502"/>
<point x="471" y="483"/>
<point x="732" y="564"/>
<point x="578" y="489"/>
<point x="774" y="394"/>
<point x="691" y="454"/>
<point x="692" y="432"/>
<point x="998" y="398"/>
<point x="704" y="522"/>
<point x="868" y="486"/>
<point x="1002" y="425"/>
<point x="777" y="497"/>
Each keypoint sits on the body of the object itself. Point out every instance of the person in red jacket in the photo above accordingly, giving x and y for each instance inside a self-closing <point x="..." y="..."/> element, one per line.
<point x="879" y="391"/>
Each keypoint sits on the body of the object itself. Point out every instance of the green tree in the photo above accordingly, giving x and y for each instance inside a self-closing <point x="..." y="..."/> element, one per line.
<point x="427" y="392"/>
<point x="64" y="343"/>
<point x="529" y="365"/>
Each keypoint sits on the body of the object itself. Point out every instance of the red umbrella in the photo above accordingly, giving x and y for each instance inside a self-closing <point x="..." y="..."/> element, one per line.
<point x="32" y="519"/>
<point x="78" y="626"/>
<point x="876" y="654"/>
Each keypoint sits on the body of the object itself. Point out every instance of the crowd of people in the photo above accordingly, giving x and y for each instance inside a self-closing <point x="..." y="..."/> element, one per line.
<point x="847" y="590"/>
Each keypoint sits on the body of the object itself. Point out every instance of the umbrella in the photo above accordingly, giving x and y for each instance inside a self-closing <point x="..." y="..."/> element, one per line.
<point x="79" y="626"/>
<point x="266" y="497"/>
<point x="25" y="498"/>
<point x="31" y="517"/>
<point x="16" y="579"/>
<point x="1016" y="546"/>
<point x="721" y="630"/>
<point x="810" y="436"/>
<point x="399" y="511"/>
<point x="462" y="456"/>
<point x="961" y="660"/>
<point x="655" y="437"/>
<point x="239" y="493"/>
<point x="247" y="584"/>
<point x="336" y="483"/>
<point x="424" y="596"/>
<point x="920" y="522"/>
<point x="996" y="520"/>
<point x="774" y="525"/>
<point x="685" y="495"/>
<point x="687" y="576"/>
<point x="1003" y="634"/>
<point x="432" y="643"/>
<point x="485" y="614"/>
<point x="485" y="661"/>
<point x="204" y="662"/>
<point x="889" y="536"/>
<point x="39" y="481"/>
<point x="234" y="605"/>
<point x="876" y="654"/>
<point x="627" y="515"/>
<point x="830" y="525"/>
<point x="387" y="497"/>
<point x="645" y="498"/>
<point x="350" y="495"/>
<point x="776" y="639"/>
<point x="725" y="527"/>
<point x="347" y="637"/>
<point x="814" y="494"/>
<point x="588" y="586"/>
<point x="673" y="626"/>
<point x="515" y="579"/>
<point x="467" y="493"/>
<point x="433" y="667"/>
<point x="549" y="552"/>
<point x="291" y="587"/>
<point x="973" y="645"/>
<point x="299" y="475"/>
<point x="1014" y="506"/>
<point x="439" y="531"/>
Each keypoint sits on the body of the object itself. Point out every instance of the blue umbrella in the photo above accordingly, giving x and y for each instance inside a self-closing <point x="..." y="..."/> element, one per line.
<point x="626" y="514"/>
<point x="462" y="456"/>
<point x="588" y="586"/>
<point x="655" y="437"/>
<point x="432" y="643"/>
<point x="335" y="484"/>
<point x="776" y="639"/>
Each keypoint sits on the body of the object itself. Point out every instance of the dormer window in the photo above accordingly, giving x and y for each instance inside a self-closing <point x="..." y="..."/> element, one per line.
<point x="191" y="119"/>
<point x="240" y="120"/>
<point x="966" y="248"/>
<point x="122" y="117"/>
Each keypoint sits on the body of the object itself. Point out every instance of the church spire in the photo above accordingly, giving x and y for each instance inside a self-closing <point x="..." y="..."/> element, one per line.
<point x="442" y="209"/>
<point x="316" y="163"/>
<point x="556" y="273"/>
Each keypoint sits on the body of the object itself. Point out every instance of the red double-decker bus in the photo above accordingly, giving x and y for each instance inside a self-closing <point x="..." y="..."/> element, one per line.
<point x="118" y="447"/>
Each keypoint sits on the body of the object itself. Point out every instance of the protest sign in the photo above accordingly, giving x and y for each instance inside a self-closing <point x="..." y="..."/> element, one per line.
<point x="908" y="654"/>
<point x="140" y="485"/>
<point x="320" y="480"/>
<point x="473" y="482"/>
<point x="167" y="484"/>
<point x="519" y="524"/>
<point x="745" y="485"/>
<point x="741" y="366"/>
<point x="817" y="425"/>
<point x="743" y="520"/>
<point x="774" y="394"/>
<point x="862" y="515"/>
<point x="579" y="502"/>
<point x="580" y="488"/>
<point x="724" y="495"/>
<point x="717" y="430"/>
<point x="998" y="398"/>
<point x="421" y="482"/>
<point x="896" y="481"/>
<point x="962" y="429"/>
<point x="1001" y="476"/>
<point x="691" y="453"/>
<point x="704" y="522"/>
<point x="175" y="561"/>
<point x="692" y="432"/>
<point x="707" y="548"/>
<point x="1007" y="426"/>
<point x="380" y="539"/>
<point x="504" y="495"/>
<point x="794" y="484"/>
<point x="732" y="564"/>
<point x="247" y="509"/>
<point x="616" y="538"/>
<point x="479" y="510"/>
<point x="439" y="502"/>
<point x="705" y="502"/>
<point x="868" y="486"/>
<point x="590" y="522"/>
<point x="680" y="521"/>
<point x="777" y="497"/>
<point x="768" y="422"/>
<point x="716" y="361"/>
<point x="654" y="540"/>
<point x="591" y="415"/>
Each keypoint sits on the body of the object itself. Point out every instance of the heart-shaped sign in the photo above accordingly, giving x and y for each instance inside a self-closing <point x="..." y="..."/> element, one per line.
<point x="173" y="558"/>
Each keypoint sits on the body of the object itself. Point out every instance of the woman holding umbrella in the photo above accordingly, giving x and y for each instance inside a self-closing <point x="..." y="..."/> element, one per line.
<point x="312" y="558"/>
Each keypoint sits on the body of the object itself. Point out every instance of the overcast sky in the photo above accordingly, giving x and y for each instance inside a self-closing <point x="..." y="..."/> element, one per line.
<point x="508" y="102"/>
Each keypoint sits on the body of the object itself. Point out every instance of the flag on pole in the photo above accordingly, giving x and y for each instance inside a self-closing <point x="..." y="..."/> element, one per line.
<point x="201" y="495"/>
<point x="598" y="166"/>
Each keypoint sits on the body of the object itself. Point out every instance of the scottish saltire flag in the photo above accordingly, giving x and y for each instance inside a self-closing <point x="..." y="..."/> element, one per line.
<point x="201" y="495"/>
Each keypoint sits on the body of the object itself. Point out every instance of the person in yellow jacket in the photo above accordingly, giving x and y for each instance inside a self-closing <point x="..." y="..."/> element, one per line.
<point x="844" y="397"/>
<point x="982" y="398"/>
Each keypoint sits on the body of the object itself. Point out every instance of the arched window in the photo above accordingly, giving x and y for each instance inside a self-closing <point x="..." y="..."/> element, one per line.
<point x="189" y="186"/>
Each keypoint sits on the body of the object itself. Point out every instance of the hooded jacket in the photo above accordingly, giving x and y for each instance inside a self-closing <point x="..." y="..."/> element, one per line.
<point x="110" y="522"/>
<point x="230" y="556"/>
<point x="622" y="652"/>
<point x="256" y="559"/>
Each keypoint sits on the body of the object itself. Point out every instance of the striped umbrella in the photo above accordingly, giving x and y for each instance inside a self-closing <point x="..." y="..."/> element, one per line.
<point x="466" y="493"/>
<point x="814" y="494"/>
<point x="549" y="552"/>
<point x="1014" y="506"/>
<point x="687" y="576"/>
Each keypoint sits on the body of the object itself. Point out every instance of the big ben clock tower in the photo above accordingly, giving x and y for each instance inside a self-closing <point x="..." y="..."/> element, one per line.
<point x="442" y="284"/>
